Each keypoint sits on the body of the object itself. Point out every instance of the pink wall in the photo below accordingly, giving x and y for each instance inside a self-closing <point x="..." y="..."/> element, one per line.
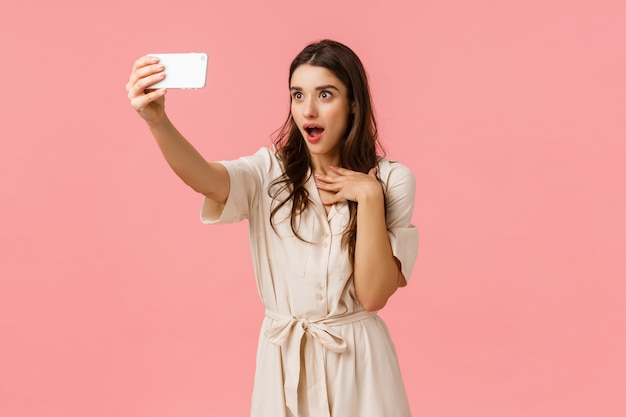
<point x="116" y="301"/>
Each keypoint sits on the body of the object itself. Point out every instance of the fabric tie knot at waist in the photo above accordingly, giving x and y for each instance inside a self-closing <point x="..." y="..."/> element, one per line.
<point x="289" y="332"/>
<point x="305" y="324"/>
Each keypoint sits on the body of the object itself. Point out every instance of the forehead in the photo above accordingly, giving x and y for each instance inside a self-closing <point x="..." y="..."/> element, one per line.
<point x="311" y="76"/>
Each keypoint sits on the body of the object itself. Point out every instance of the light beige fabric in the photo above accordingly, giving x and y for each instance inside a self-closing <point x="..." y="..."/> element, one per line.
<point x="320" y="354"/>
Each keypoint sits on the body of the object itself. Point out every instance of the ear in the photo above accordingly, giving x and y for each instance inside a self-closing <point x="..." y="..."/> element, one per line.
<point x="353" y="108"/>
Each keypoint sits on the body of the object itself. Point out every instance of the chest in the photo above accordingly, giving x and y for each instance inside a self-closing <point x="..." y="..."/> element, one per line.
<point x="324" y="196"/>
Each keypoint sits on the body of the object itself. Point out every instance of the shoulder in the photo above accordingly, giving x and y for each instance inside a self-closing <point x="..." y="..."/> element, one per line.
<point x="263" y="162"/>
<point x="395" y="174"/>
<point x="399" y="187"/>
<point x="263" y="156"/>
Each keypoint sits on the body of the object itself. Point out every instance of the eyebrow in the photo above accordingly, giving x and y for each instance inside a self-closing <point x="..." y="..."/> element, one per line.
<point x="321" y="87"/>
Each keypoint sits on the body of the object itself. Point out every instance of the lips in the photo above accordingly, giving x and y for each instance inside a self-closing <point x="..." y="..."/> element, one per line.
<point x="313" y="132"/>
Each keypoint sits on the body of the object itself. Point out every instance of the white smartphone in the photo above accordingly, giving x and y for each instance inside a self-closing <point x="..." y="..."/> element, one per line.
<point x="183" y="70"/>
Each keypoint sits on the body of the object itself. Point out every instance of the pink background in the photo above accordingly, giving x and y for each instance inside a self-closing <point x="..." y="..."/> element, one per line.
<point x="116" y="301"/>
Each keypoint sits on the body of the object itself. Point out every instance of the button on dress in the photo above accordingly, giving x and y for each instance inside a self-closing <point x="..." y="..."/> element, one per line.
<point x="320" y="354"/>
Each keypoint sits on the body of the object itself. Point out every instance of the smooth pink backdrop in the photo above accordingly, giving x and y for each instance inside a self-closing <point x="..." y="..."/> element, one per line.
<point x="116" y="301"/>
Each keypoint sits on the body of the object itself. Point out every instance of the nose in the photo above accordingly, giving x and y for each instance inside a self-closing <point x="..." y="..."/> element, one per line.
<point x="310" y="108"/>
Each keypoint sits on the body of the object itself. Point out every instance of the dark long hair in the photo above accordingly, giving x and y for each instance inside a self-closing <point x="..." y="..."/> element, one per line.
<point x="359" y="147"/>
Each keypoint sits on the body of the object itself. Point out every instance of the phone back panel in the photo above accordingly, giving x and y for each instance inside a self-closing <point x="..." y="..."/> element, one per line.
<point x="183" y="70"/>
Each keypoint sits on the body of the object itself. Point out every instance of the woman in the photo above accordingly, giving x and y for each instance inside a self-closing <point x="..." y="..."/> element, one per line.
<point x="323" y="350"/>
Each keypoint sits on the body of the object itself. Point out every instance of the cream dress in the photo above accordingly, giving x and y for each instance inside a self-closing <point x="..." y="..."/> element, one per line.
<point x="320" y="354"/>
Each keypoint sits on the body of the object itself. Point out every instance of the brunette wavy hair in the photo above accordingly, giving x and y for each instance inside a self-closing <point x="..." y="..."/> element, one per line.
<point x="359" y="148"/>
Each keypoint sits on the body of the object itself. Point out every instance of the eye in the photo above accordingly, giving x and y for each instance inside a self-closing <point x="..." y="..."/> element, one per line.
<point x="297" y="95"/>
<point x="325" y="94"/>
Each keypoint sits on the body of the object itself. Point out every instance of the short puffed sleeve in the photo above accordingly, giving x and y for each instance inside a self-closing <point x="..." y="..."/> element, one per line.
<point x="247" y="175"/>
<point x="400" y="194"/>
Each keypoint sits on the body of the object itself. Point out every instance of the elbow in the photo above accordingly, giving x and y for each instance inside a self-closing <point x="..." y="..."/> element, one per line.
<point x="373" y="304"/>
<point x="374" y="299"/>
<point x="375" y="291"/>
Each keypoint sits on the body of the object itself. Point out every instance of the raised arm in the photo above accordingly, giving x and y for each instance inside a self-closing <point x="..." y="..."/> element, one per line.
<point x="208" y="178"/>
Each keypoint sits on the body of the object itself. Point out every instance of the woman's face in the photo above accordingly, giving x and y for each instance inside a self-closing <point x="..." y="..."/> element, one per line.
<point x="321" y="109"/>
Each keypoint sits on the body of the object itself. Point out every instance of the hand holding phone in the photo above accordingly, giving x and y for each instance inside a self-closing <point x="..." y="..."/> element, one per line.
<point x="183" y="70"/>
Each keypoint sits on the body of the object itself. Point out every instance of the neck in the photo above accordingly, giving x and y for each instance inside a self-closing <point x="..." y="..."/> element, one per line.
<point x="320" y="163"/>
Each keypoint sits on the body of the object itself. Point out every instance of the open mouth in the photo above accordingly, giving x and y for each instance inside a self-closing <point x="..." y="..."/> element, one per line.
<point x="313" y="131"/>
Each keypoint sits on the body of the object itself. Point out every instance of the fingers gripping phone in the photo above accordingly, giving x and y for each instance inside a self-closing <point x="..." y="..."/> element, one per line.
<point x="183" y="70"/>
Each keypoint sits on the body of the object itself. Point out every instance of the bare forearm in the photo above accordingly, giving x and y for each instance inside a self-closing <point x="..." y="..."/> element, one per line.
<point x="375" y="268"/>
<point x="210" y="179"/>
<point x="376" y="271"/>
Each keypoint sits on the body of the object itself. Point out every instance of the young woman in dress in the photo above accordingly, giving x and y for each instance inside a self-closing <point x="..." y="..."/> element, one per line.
<point x="330" y="231"/>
